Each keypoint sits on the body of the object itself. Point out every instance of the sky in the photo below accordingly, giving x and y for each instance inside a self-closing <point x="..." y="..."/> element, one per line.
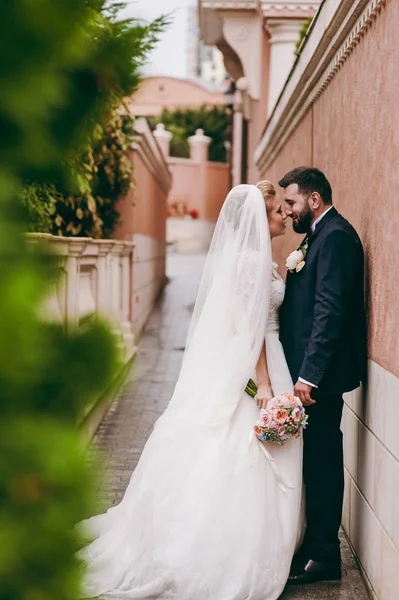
<point x="169" y="57"/>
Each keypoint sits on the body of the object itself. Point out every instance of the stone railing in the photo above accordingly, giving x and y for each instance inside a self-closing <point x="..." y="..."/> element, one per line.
<point x="93" y="280"/>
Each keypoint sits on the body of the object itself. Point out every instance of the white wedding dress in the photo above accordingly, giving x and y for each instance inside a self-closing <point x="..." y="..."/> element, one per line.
<point x="208" y="515"/>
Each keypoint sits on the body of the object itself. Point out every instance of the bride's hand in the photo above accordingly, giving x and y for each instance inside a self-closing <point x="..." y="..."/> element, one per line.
<point x="264" y="394"/>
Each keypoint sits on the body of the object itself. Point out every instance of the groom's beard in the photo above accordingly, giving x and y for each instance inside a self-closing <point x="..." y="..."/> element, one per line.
<point x="304" y="222"/>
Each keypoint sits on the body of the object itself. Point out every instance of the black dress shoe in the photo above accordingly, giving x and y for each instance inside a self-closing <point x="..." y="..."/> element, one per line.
<point x="314" y="571"/>
<point x="298" y="563"/>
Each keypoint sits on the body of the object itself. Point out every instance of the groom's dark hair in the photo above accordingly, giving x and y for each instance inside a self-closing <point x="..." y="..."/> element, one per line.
<point x="309" y="179"/>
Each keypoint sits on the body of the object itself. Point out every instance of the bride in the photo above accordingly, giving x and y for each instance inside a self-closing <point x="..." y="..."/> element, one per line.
<point x="210" y="512"/>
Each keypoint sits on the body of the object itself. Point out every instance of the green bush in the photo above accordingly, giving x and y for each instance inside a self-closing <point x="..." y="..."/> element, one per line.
<point x="86" y="204"/>
<point x="91" y="211"/>
<point x="215" y="121"/>
<point x="40" y="206"/>
<point x="68" y="64"/>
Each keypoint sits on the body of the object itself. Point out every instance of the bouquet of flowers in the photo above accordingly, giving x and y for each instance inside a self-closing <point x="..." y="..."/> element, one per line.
<point x="283" y="418"/>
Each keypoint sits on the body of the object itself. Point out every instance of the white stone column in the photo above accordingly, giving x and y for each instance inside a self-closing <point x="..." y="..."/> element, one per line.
<point x="115" y="281"/>
<point x="76" y="247"/>
<point x="104" y="278"/>
<point x="284" y="34"/>
<point x="163" y="138"/>
<point x="238" y="132"/>
<point x="199" y="144"/>
<point x="52" y="309"/>
<point x="127" y="294"/>
<point x="199" y="147"/>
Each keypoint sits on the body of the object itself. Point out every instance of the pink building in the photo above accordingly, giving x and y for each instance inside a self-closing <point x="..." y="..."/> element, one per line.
<point x="199" y="188"/>
<point x="258" y="41"/>
<point x="156" y="93"/>
<point x="143" y="222"/>
<point x="335" y="107"/>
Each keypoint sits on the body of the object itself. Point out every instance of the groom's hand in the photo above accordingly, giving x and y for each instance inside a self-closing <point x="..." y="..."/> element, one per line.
<point x="302" y="391"/>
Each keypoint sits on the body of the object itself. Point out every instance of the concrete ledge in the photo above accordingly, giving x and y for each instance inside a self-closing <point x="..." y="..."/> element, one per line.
<point x="96" y="413"/>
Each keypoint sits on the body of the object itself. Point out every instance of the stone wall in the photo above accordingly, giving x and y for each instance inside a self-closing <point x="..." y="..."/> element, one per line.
<point x="143" y="221"/>
<point x="339" y="112"/>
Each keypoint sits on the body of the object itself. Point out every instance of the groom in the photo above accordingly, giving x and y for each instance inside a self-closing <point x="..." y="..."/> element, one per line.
<point x="322" y="329"/>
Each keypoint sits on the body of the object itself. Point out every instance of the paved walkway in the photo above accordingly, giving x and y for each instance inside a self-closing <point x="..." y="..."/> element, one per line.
<point x="125" y="429"/>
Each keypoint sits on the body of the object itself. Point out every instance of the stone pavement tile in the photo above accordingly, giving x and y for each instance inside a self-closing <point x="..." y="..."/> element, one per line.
<point x="125" y="429"/>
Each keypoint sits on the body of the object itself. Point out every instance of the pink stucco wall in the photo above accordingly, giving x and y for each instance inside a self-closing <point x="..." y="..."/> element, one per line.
<point x="351" y="134"/>
<point x="217" y="190"/>
<point x="203" y="186"/>
<point x="297" y="151"/>
<point x="185" y="179"/>
<point x="156" y="93"/>
<point x="356" y="142"/>
<point x="143" y="221"/>
<point x="150" y="201"/>
<point x="143" y="209"/>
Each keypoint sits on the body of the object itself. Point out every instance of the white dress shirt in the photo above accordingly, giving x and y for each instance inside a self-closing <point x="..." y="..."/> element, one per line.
<point x="313" y="227"/>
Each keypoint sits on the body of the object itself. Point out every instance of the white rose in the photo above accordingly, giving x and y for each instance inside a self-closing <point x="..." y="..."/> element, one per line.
<point x="300" y="266"/>
<point x="294" y="259"/>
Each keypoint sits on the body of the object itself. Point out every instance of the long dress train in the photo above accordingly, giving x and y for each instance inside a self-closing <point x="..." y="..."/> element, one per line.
<point x="204" y="516"/>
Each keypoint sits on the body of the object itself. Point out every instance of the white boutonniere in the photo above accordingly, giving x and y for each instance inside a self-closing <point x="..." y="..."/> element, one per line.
<point x="296" y="260"/>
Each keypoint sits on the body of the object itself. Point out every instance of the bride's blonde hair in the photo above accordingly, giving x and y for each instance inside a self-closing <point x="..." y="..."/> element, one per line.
<point x="268" y="192"/>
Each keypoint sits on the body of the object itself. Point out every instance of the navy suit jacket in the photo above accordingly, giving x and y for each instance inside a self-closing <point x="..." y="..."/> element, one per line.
<point x="322" y="318"/>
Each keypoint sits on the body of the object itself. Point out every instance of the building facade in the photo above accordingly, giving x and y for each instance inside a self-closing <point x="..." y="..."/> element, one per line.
<point x="156" y="93"/>
<point x="334" y="107"/>
<point x="258" y="42"/>
<point x="204" y="63"/>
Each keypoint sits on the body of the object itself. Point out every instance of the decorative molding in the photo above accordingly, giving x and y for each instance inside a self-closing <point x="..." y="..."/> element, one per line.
<point x="243" y="34"/>
<point x="284" y="30"/>
<point x="147" y="147"/>
<point x="316" y="67"/>
<point x="294" y="5"/>
<point x="284" y="34"/>
<point x="241" y="5"/>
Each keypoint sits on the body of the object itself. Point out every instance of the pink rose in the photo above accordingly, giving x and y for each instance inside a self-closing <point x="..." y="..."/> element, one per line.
<point x="280" y="415"/>
<point x="281" y="431"/>
<point x="288" y="401"/>
<point x="298" y="402"/>
<point x="274" y="402"/>
<point x="296" y="415"/>
<point x="266" y="418"/>
<point x="275" y="426"/>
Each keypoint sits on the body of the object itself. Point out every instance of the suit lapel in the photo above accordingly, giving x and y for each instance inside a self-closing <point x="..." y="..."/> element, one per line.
<point x="310" y="237"/>
<point x="330" y="215"/>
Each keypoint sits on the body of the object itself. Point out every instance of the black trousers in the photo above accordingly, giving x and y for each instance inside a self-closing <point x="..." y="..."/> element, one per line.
<point x="323" y="471"/>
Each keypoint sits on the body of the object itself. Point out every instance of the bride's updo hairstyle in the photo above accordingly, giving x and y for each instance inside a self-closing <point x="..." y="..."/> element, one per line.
<point x="268" y="192"/>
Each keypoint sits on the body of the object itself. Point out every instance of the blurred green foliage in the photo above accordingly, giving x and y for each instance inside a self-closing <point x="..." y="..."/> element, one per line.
<point x="40" y="206"/>
<point x="96" y="151"/>
<point x="214" y="120"/>
<point x="68" y="65"/>
<point x="91" y="210"/>
<point x="302" y="34"/>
